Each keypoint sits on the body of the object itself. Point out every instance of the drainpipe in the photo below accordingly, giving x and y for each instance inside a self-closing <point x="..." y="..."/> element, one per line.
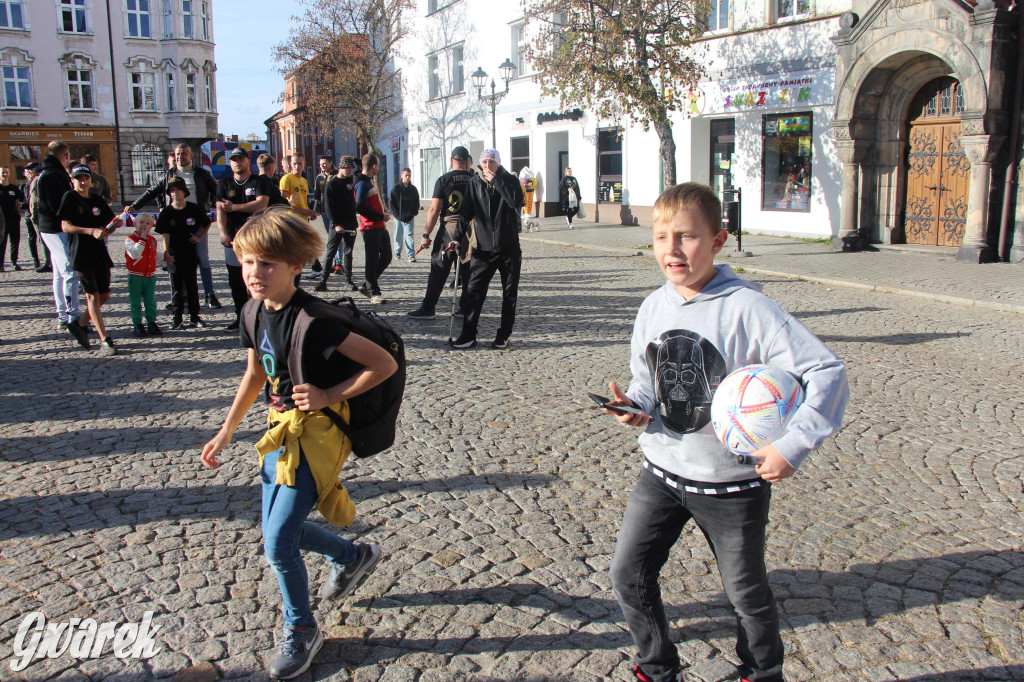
<point x="1011" y="170"/>
<point x="117" y="117"/>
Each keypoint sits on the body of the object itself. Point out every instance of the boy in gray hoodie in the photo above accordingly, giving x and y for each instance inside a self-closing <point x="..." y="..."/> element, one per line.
<point x="689" y="334"/>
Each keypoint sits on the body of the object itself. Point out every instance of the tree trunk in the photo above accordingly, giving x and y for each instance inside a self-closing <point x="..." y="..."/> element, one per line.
<point x="667" y="149"/>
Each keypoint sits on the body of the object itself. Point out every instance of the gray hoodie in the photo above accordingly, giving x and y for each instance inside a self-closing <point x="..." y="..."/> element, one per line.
<point x="681" y="350"/>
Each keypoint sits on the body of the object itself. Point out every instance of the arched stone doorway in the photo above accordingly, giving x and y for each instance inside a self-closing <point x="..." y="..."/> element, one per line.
<point x="936" y="168"/>
<point x="886" y="64"/>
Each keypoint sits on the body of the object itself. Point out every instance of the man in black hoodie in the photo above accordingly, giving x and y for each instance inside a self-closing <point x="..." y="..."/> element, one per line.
<point x="494" y="199"/>
<point x="404" y="201"/>
<point x="340" y="216"/>
<point x="53" y="183"/>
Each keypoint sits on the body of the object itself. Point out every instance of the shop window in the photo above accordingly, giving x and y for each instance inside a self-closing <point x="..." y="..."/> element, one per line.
<point x="143" y="91"/>
<point x="791" y="9"/>
<point x="148" y="162"/>
<point x="718" y="16"/>
<point x="609" y="151"/>
<point x="786" y="177"/>
<point x="72" y="14"/>
<point x="723" y="146"/>
<point x="79" y="89"/>
<point x="138" y="19"/>
<point x="11" y="15"/>
<point x="520" y="153"/>
<point x="17" y="87"/>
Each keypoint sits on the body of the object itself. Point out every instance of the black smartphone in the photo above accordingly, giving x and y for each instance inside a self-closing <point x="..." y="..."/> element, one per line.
<point x="618" y="409"/>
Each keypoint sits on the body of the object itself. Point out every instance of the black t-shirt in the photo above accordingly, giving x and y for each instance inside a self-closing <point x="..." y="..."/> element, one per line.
<point x="9" y="194"/>
<point x="87" y="252"/>
<point x="324" y="366"/>
<point x="228" y="189"/>
<point x="450" y="188"/>
<point x="274" y="185"/>
<point x="179" y="225"/>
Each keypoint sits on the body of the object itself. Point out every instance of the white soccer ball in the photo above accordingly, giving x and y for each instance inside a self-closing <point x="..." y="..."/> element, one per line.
<point x="752" y="406"/>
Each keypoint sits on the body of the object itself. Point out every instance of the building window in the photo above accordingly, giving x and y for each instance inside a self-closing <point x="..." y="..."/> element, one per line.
<point x="433" y="77"/>
<point x="73" y="16"/>
<point x="430" y="166"/>
<point x="80" y="88"/>
<point x="204" y="20"/>
<point x="941" y="98"/>
<point x="520" y="153"/>
<point x="11" y="15"/>
<point x="186" y="19"/>
<point x="519" y="47"/>
<point x="148" y="162"/>
<point x="191" y="100"/>
<point x="17" y="88"/>
<point x="786" y="180"/>
<point x="458" y="75"/>
<point x="143" y="91"/>
<point x="138" y="19"/>
<point x="791" y="9"/>
<point x="168" y="13"/>
<point x="609" y="151"/>
<point x="169" y="91"/>
<point x="718" y="15"/>
<point x="208" y="79"/>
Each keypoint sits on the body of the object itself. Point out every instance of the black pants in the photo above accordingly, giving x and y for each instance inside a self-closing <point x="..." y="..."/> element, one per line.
<point x="440" y="266"/>
<point x="12" y="234"/>
<point x="481" y="270"/>
<point x="239" y="292"/>
<point x="339" y="241"/>
<point x="183" y="281"/>
<point x="570" y="213"/>
<point x="378" y="257"/>
<point x="33" y="238"/>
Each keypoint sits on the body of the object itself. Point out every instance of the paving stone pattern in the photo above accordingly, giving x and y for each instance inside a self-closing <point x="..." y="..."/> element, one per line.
<point x="895" y="553"/>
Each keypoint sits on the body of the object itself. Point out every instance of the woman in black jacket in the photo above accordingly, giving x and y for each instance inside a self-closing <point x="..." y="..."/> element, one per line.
<point x="569" y="196"/>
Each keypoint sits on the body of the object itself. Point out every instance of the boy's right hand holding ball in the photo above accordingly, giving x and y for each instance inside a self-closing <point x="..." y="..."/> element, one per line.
<point x="619" y="398"/>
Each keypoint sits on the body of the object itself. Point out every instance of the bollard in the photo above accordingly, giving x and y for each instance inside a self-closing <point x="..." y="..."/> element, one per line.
<point x="732" y="200"/>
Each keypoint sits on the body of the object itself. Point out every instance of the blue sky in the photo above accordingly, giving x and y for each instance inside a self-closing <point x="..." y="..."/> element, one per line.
<point x="248" y="83"/>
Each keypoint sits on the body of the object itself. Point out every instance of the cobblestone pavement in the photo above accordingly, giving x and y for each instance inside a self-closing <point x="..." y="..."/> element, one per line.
<point x="922" y="272"/>
<point x="895" y="553"/>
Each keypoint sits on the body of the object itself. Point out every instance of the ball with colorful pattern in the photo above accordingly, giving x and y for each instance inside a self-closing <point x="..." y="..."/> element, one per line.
<point x="753" y="405"/>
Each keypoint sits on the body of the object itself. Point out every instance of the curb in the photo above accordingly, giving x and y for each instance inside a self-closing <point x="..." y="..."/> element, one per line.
<point x="996" y="306"/>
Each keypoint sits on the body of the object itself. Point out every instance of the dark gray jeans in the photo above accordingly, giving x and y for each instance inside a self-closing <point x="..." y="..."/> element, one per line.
<point x="734" y="526"/>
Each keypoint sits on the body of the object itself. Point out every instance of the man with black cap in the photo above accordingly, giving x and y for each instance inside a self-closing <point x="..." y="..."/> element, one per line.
<point x="494" y="198"/>
<point x="445" y="204"/>
<point x="239" y="195"/>
<point x="339" y="205"/>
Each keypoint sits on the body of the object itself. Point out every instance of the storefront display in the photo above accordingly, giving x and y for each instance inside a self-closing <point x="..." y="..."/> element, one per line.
<point x="786" y="184"/>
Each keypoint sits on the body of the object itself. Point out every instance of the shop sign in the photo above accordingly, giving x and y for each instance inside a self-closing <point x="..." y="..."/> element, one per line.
<point x="47" y="135"/>
<point x="768" y="93"/>
<point x="550" y="117"/>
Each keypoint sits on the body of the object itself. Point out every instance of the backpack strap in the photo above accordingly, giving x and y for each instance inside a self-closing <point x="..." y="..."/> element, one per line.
<point x="250" y="317"/>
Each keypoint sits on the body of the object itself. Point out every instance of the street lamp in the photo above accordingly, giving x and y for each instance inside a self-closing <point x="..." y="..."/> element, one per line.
<point x="508" y="72"/>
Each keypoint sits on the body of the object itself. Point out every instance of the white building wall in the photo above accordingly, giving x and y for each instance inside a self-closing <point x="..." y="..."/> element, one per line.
<point x="757" y="45"/>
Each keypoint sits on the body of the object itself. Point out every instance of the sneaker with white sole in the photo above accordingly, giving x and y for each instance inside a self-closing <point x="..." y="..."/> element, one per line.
<point x="298" y="647"/>
<point x="377" y="299"/>
<point x="421" y="313"/>
<point x="463" y="342"/>
<point x="344" y="579"/>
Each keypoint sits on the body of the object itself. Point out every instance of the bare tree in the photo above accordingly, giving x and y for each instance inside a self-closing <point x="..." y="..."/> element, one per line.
<point x="449" y="108"/>
<point x="342" y="56"/>
<point x="620" y="58"/>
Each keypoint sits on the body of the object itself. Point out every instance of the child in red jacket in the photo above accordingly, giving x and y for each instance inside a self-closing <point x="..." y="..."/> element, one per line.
<point x="141" y="252"/>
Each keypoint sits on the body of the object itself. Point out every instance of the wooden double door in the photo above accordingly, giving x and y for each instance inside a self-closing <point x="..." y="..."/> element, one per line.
<point x="938" y="180"/>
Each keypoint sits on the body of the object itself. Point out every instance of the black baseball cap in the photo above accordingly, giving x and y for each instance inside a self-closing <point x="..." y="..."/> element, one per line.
<point x="80" y="169"/>
<point x="460" y="153"/>
<point x="238" y="151"/>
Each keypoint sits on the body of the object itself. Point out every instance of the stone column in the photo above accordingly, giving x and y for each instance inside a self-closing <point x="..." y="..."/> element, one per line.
<point x="851" y="153"/>
<point x="980" y="150"/>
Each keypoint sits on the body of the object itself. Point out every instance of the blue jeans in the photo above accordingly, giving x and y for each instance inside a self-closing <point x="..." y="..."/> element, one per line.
<point x="65" y="281"/>
<point x="408" y="228"/>
<point x="734" y="526"/>
<point x="286" y="531"/>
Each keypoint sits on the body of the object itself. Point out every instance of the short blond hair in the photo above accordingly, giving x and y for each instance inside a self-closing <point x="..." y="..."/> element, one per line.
<point x="145" y="216"/>
<point x="278" y="233"/>
<point x="689" y="196"/>
<point x="263" y="159"/>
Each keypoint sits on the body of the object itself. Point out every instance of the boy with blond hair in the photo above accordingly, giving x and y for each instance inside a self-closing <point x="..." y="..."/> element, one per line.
<point x="300" y="471"/>
<point x="702" y="324"/>
<point x="141" y="252"/>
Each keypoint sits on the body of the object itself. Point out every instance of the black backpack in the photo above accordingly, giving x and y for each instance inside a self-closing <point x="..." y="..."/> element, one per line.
<point x="373" y="415"/>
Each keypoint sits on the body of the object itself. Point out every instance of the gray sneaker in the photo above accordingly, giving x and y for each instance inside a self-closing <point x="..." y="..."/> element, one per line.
<point x="344" y="579"/>
<point x="107" y="346"/>
<point x="298" y="647"/>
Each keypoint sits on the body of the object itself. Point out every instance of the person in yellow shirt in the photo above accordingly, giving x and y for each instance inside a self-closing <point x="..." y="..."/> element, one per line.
<point x="295" y="190"/>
